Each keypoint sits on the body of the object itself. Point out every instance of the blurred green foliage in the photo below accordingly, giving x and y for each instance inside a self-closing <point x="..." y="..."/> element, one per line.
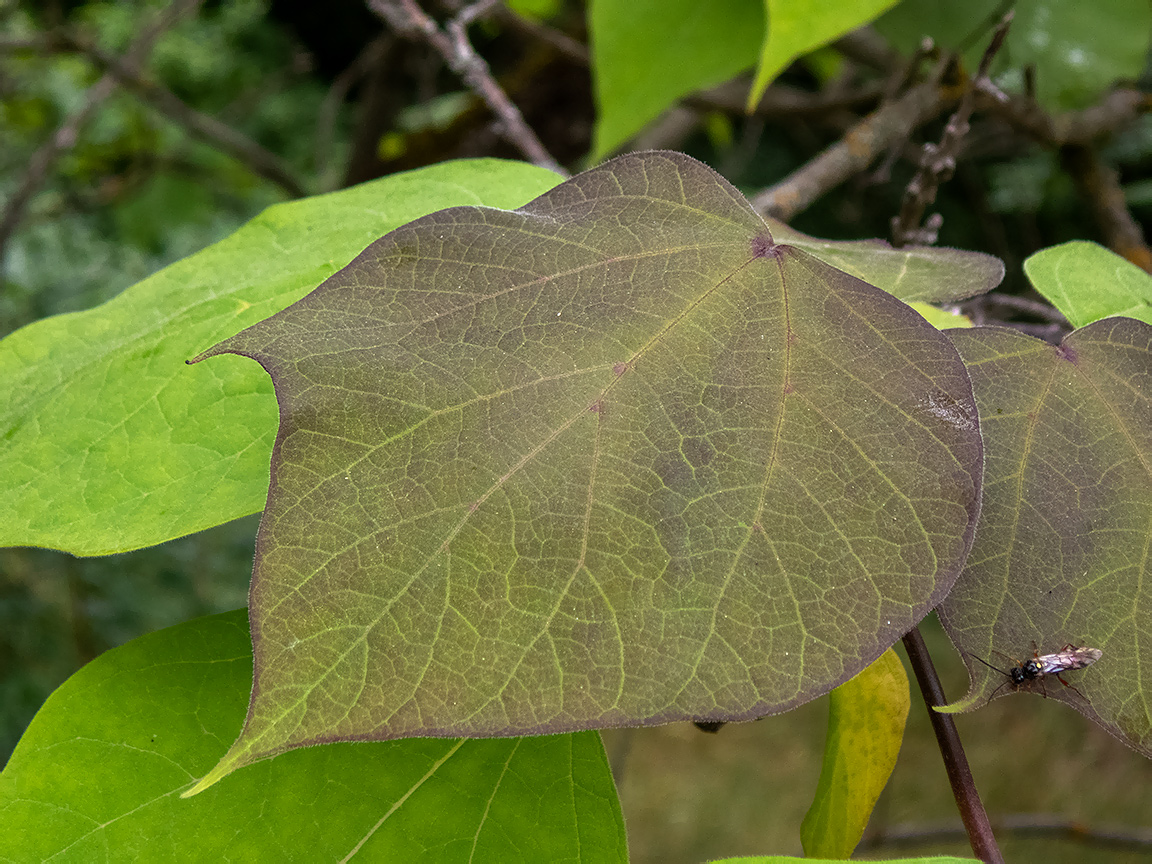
<point x="136" y="192"/>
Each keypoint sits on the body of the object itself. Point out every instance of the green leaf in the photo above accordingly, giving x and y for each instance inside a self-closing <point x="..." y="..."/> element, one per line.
<point x="866" y="719"/>
<point x="1078" y="49"/>
<point x="1062" y="553"/>
<point x="926" y="274"/>
<point x="1087" y="282"/>
<point x="646" y="54"/>
<point x="98" y="776"/>
<point x="613" y="458"/>
<point x="111" y="443"/>
<point x="941" y="319"/>
<point x="796" y="27"/>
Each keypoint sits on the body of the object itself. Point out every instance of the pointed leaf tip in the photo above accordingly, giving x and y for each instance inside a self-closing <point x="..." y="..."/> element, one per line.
<point x="210" y="779"/>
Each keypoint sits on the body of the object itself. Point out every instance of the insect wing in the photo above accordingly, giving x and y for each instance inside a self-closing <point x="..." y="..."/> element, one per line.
<point x="1069" y="658"/>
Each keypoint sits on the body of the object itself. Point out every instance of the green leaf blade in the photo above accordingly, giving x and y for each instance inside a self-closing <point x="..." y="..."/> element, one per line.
<point x="639" y="471"/>
<point x="100" y="769"/>
<point x="1061" y="556"/>
<point x="646" y="54"/>
<point x="794" y="29"/>
<point x="1087" y="282"/>
<point x="1078" y="50"/>
<point x="113" y="443"/>
<point x="915" y="274"/>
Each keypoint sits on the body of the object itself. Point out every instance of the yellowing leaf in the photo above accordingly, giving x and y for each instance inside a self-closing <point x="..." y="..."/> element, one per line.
<point x="866" y="719"/>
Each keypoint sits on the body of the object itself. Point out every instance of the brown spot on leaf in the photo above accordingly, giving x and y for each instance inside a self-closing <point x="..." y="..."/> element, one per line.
<point x="620" y="368"/>
<point x="763" y="246"/>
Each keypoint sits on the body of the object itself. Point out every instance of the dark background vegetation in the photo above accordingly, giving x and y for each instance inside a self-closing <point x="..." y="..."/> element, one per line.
<point x="327" y="96"/>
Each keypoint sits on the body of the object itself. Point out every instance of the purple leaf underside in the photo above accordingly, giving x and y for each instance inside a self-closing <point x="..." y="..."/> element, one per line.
<point x="615" y="458"/>
<point x="1064" y="551"/>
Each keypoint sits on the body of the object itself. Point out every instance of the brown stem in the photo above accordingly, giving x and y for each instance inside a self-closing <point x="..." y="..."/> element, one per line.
<point x="451" y="42"/>
<point x="853" y="153"/>
<point x="368" y="59"/>
<point x="938" y="161"/>
<point x="1115" y="110"/>
<point x="968" y="801"/>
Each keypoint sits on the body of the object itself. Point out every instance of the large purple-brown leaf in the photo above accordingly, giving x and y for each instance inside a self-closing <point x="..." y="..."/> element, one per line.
<point x="1063" y="554"/>
<point x="614" y="458"/>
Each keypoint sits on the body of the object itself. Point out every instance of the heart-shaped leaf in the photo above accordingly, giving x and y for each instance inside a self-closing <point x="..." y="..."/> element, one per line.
<point x="1064" y="551"/>
<point x="98" y="773"/>
<point x="615" y="458"/>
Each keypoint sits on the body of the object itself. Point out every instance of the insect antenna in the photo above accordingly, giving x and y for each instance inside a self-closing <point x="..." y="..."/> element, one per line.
<point x="1007" y="675"/>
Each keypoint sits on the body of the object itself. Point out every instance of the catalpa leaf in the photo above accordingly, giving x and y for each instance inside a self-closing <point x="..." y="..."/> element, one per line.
<point x="924" y="274"/>
<point x="614" y="458"/>
<point x="1064" y="551"/>
<point x="646" y="54"/>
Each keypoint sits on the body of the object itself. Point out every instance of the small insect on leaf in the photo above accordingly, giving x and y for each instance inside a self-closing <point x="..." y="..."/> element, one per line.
<point x="1069" y="658"/>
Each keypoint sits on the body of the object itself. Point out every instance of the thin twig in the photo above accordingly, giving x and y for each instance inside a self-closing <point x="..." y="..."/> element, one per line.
<point x="938" y="161"/>
<point x="15" y="46"/>
<point x="968" y="801"/>
<point x="780" y="100"/>
<point x="1021" y="825"/>
<point x="408" y="19"/>
<point x="867" y="47"/>
<point x="1115" y="111"/>
<point x="66" y="135"/>
<point x="1099" y="185"/>
<point x="207" y="128"/>
<point x="853" y="153"/>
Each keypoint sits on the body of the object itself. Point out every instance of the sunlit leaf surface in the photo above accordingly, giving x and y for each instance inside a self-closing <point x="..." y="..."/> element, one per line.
<point x="1064" y="550"/>
<point x="797" y="28"/>
<point x="110" y="442"/>
<point x="646" y="54"/>
<point x="1087" y="282"/>
<point x="613" y="458"/>
<point x="98" y="775"/>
